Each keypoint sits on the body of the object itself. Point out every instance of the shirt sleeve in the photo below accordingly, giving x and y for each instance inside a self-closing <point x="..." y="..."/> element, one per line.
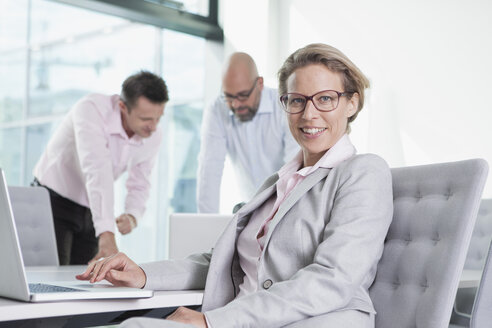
<point x="138" y="182"/>
<point x="95" y="163"/>
<point x="183" y="274"/>
<point x="359" y="220"/>
<point x="211" y="159"/>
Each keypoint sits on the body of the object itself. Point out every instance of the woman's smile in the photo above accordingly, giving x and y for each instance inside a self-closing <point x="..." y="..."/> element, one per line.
<point x="312" y="132"/>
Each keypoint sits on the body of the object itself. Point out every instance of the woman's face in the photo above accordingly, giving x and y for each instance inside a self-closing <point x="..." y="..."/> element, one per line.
<point x="316" y="131"/>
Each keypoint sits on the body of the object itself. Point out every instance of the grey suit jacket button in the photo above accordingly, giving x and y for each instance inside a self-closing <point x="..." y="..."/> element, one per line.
<point x="267" y="284"/>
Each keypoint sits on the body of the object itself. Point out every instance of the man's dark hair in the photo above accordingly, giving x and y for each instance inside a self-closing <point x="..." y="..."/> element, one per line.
<point x="145" y="84"/>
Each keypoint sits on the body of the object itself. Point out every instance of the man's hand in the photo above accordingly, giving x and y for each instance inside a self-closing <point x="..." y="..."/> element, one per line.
<point x="192" y="317"/>
<point x="107" y="246"/>
<point x="117" y="269"/>
<point x="126" y="223"/>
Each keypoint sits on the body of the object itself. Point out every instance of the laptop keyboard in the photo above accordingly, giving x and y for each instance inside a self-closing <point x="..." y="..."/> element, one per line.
<point x="45" y="288"/>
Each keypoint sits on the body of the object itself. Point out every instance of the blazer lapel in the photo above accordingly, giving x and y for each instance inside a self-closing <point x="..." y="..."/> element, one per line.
<point x="299" y="191"/>
<point x="265" y="192"/>
<point x="242" y="218"/>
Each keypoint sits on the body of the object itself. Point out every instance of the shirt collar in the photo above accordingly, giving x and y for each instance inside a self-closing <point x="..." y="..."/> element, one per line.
<point x="341" y="150"/>
<point x="115" y="124"/>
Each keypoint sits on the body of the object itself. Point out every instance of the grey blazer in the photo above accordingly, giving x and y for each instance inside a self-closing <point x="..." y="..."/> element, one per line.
<point x="320" y="253"/>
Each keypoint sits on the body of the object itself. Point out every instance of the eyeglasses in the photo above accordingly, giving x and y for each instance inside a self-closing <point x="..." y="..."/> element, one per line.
<point x="241" y="96"/>
<point x="324" y="101"/>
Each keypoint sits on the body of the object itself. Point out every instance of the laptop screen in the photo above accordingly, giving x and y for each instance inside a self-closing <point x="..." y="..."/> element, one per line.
<point x="191" y="233"/>
<point x="13" y="282"/>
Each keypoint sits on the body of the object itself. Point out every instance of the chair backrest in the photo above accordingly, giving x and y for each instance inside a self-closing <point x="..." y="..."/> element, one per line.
<point x="482" y="235"/>
<point x="482" y="307"/>
<point x="435" y="207"/>
<point x="475" y="259"/>
<point x="34" y="221"/>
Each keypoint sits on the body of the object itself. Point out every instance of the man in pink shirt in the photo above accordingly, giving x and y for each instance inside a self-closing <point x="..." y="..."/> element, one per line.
<point x="100" y="138"/>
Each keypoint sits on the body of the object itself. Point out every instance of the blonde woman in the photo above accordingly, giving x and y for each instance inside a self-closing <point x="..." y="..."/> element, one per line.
<point x="303" y="252"/>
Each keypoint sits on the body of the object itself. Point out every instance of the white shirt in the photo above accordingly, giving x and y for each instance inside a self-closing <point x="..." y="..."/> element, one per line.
<point x="257" y="148"/>
<point x="89" y="150"/>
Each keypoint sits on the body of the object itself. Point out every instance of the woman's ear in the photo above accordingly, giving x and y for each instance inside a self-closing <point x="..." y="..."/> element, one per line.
<point x="353" y="105"/>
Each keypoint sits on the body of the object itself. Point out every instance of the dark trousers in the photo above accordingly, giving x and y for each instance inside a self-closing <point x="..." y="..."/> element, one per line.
<point x="75" y="235"/>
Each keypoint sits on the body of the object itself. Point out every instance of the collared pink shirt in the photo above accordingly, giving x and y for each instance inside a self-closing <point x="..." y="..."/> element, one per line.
<point x="249" y="245"/>
<point x="89" y="151"/>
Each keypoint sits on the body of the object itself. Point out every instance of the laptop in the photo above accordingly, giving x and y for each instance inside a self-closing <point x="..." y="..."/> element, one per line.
<point x="191" y="233"/>
<point x="15" y="284"/>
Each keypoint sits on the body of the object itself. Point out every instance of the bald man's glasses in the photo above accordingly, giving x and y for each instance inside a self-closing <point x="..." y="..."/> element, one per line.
<point x="241" y="96"/>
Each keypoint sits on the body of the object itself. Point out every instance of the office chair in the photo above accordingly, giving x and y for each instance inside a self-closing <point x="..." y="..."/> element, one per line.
<point x="481" y="315"/>
<point x="482" y="235"/>
<point x="482" y="308"/>
<point x="34" y="222"/>
<point x="435" y="208"/>
<point x="478" y="254"/>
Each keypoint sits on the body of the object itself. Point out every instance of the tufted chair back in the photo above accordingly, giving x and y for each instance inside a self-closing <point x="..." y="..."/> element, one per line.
<point x="482" y="235"/>
<point x="34" y="222"/>
<point x="435" y="207"/>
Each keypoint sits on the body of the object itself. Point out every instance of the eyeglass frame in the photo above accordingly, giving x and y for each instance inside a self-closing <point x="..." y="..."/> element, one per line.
<point x="230" y="98"/>
<point x="308" y="98"/>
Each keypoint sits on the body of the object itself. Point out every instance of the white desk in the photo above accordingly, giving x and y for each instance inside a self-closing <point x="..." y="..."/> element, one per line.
<point x="11" y="310"/>
<point x="14" y="310"/>
<point x="470" y="278"/>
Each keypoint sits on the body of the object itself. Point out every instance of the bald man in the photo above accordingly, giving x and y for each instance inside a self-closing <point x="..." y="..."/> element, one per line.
<point x="247" y="123"/>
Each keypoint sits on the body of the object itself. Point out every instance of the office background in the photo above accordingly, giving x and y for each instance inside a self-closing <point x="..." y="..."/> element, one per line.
<point x="428" y="62"/>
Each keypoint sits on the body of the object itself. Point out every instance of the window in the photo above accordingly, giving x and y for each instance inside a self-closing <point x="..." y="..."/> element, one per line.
<point x="198" y="7"/>
<point x="58" y="53"/>
<point x="195" y="17"/>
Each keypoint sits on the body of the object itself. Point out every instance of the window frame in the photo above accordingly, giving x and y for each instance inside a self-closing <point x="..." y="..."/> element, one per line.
<point x="158" y="15"/>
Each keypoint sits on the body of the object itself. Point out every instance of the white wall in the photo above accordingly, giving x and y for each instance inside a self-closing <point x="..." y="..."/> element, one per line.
<point x="429" y="62"/>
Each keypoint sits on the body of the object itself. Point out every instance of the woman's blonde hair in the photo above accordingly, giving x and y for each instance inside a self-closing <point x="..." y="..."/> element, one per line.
<point x="353" y="79"/>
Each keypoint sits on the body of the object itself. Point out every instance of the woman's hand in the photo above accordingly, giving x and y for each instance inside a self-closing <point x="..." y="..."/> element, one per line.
<point x="192" y="317"/>
<point x="118" y="269"/>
